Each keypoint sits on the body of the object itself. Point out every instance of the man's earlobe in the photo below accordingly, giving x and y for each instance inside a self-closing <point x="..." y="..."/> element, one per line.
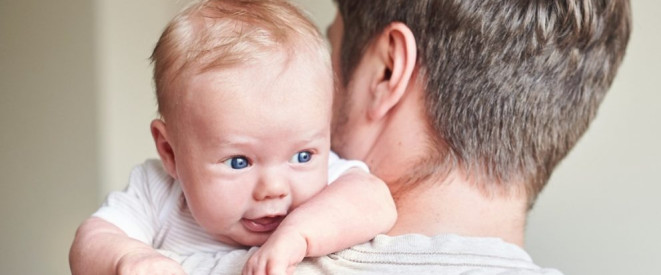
<point x="396" y="48"/>
<point x="163" y="146"/>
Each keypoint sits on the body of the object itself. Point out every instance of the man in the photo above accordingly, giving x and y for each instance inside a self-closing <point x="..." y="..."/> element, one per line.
<point x="465" y="108"/>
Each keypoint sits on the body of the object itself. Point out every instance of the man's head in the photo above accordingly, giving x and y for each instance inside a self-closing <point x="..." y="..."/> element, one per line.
<point x="509" y="86"/>
<point x="244" y="89"/>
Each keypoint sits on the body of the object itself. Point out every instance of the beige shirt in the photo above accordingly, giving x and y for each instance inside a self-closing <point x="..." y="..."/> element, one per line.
<point x="406" y="254"/>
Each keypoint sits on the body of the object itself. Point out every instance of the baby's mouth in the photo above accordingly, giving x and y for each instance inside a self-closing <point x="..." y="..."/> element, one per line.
<point x="262" y="225"/>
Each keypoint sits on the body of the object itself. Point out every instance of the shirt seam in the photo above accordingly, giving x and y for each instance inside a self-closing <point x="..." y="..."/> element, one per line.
<point x="437" y="253"/>
<point x="437" y="264"/>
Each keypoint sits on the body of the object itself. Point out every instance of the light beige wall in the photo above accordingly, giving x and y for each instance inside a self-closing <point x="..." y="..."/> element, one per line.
<point x="48" y="137"/>
<point x="126" y="33"/>
<point x="75" y="103"/>
<point x="321" y="12"/>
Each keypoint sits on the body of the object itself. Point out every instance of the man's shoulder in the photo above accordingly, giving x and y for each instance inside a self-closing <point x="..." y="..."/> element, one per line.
<point x="418" y="254"/>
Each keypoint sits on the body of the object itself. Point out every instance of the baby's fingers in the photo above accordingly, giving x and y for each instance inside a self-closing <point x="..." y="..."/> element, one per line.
<point x="255" y="265"/>
<point x="274" y="267"/>
<point x="259" y="264"/>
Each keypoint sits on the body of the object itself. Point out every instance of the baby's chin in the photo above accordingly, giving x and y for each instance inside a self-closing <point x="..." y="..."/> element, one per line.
<point x="257" y="241"/>
<point x="245" y="240"/>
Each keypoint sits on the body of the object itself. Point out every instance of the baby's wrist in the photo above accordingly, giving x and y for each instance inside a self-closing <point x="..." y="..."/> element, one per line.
<point x="292" y="237"/>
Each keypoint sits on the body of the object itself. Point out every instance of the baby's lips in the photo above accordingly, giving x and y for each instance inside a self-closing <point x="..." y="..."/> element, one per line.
<point x="262" y="225"/>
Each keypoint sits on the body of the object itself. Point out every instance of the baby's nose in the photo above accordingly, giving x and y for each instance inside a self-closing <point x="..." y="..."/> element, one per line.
<point x="271" y="186"/>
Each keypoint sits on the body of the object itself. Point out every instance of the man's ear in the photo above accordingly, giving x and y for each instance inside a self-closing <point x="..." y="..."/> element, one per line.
<point x="396" y="49"/>
<point x="162" y="141"/>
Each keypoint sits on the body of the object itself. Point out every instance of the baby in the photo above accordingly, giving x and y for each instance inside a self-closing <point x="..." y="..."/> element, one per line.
<point x="244" y="92"/>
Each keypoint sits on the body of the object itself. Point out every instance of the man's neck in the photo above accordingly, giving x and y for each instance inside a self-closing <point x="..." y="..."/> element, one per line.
<point x="455" y="207"/>
<point x="452" y="206"/>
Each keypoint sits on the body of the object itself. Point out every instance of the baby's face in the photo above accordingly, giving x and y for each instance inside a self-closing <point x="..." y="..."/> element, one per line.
<point x="251" y="143"/>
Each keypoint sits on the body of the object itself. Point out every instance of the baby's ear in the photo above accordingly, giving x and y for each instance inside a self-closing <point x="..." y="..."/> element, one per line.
<point x="163" y="146"/>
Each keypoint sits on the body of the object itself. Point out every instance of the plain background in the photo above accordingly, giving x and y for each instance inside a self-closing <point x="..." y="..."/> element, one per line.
<point x="76" y="100"/>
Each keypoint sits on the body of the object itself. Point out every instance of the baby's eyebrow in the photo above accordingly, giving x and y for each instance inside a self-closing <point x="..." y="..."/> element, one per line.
<point x="312" y="137"/>
<point x="233" y="141"/>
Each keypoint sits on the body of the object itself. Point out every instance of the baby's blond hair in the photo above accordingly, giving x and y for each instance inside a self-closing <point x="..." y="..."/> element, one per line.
<point x="217" y="34"/>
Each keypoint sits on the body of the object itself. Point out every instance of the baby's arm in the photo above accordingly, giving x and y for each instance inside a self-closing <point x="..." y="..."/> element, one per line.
<point x="117" y="238"/>
<point x="352" y="210"/>
<point x="102" y="248"/>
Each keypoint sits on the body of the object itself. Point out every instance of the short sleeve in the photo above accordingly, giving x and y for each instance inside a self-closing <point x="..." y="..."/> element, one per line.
<point x="338" y="166"/>
<point x="137" y="209"/>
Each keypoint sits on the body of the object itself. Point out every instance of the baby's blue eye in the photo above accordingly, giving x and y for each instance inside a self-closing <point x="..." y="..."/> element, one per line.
<point x="302" y="157"/>
<point x="237" y="162"/>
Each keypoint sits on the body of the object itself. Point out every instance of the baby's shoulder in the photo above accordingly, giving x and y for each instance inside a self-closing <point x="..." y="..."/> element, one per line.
<point x="151" y="175"/>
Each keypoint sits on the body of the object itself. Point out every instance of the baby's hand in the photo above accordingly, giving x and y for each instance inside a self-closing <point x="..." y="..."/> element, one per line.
<point x="279" y="255"/>
<point x="148" y="262"/>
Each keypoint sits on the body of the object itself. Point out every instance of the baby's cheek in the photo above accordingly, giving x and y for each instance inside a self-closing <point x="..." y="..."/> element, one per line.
<point x="306" y="192"/>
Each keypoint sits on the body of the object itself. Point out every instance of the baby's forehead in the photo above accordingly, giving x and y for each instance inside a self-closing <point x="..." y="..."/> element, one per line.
<point x="282" y="80"/>
<point x="276" y="72"/>
<point x="258" y="95"/>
